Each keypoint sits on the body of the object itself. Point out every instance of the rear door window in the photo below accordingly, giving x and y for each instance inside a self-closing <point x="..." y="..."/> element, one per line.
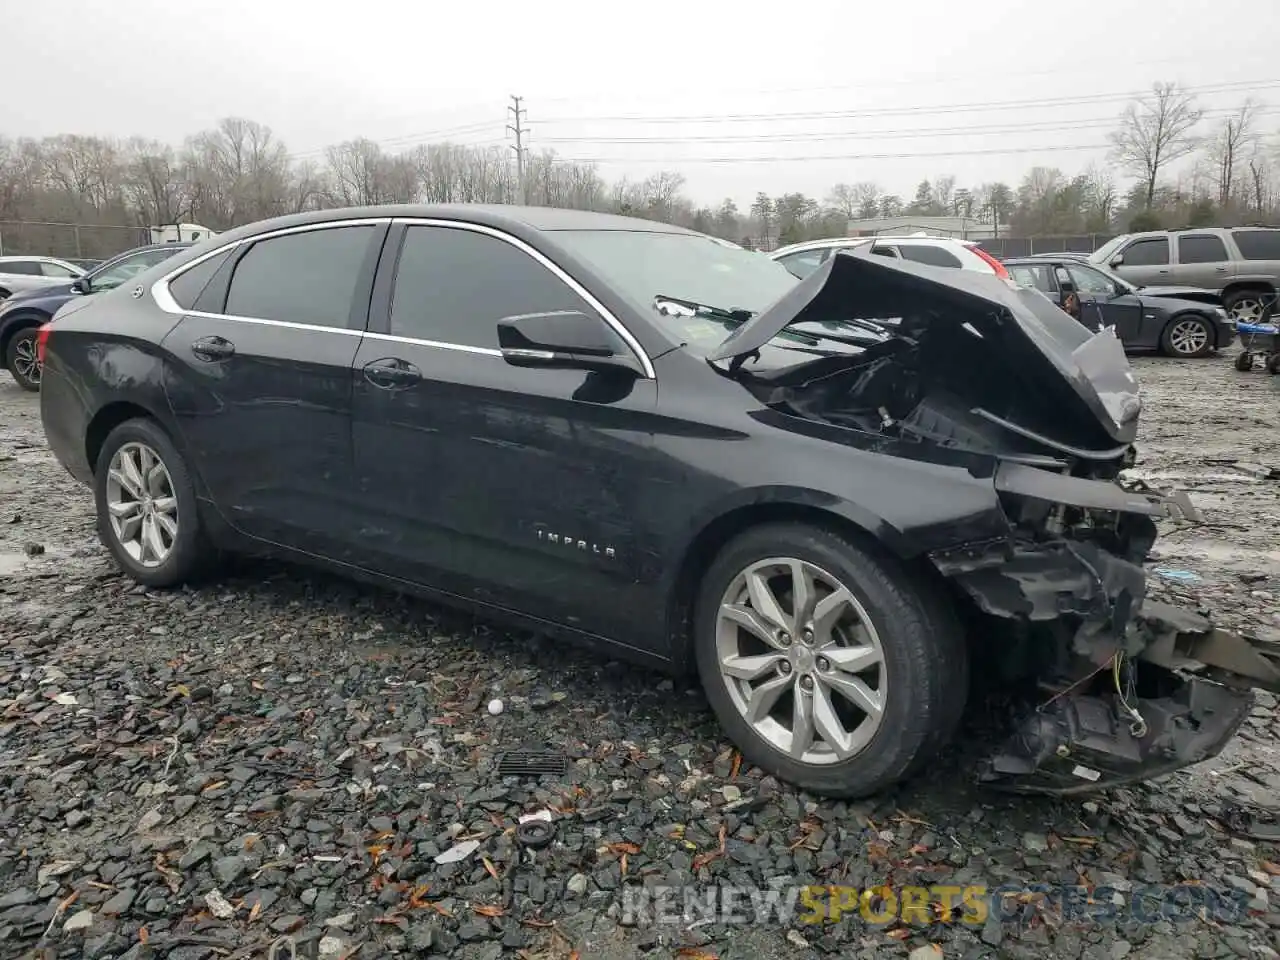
<point x="933" y="256"/>
<point x="23" y="268"/>
<point x="308" y="278"/>
<point x="1033" y="275"/>
<point x="1201" y="248"/>
<point x="1258" y="244"/>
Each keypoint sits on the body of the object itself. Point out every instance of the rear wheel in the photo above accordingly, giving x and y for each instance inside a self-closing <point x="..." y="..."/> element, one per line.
<point x="1245" y="306"/>
<point x="22" y="360"/>
<point x="146" y="504"/>
<point x="827" y="664"/>
<point x="1244" y="362"/>
<point x="1273" y="363"/>
<point x="1188" y="336"/>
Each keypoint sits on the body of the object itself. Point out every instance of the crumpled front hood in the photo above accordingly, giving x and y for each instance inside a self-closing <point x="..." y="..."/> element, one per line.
<point x="1032" y="342"/>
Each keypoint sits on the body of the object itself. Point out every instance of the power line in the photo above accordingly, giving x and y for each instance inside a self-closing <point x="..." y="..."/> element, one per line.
<point x="1233" y="87"/>
<point x="1039" y="126"/>
<point x="1055" y="148"/>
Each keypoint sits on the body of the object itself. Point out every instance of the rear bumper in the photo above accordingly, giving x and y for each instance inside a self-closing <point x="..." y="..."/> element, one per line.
<point x="1226" y="332"/>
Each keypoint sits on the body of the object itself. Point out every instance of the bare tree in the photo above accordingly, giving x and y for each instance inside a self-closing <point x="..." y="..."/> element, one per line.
<point x="844" y="198"/>
<point x="1156" y="131"/>
<point x="1228" y="146"/>
<point x="868" y="197"/>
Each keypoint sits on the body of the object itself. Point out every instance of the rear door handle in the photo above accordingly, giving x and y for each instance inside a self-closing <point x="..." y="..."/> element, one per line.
<point x="213" y="348"/>
<point x="391" y="373"/>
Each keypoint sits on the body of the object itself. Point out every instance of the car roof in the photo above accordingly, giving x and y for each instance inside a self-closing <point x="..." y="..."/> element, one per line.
<point x="499" y="216"/>
<point x="11" y="258"/>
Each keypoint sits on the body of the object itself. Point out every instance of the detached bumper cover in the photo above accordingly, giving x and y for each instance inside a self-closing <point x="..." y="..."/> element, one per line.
<point x="1080" y="744"/>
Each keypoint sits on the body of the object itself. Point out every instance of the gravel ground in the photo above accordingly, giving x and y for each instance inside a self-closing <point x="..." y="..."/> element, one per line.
<point x="275" y="761"/>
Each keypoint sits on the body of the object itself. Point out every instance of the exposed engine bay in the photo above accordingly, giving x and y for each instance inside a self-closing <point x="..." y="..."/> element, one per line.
<point x="1115" y="688"/>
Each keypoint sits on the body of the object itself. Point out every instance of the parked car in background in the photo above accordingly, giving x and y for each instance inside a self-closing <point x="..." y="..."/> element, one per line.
<point x="1143" y="320"/>
<point x="83" y="263"/>
<point x="25" y="273"/>
<point x="625" y="433"/>
<point x="1242" y="263"/>
<point x="802" y="259"/>
<point x="1060" y="255"/>
<point x="23" y="312"/>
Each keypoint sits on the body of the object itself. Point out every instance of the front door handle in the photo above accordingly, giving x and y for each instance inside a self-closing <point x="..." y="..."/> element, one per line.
<point x="391" y="373"/>
<point x="213" y="348"/>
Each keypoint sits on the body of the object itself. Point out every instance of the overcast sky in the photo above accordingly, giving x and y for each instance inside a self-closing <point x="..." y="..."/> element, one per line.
<point x="894" y="91"/>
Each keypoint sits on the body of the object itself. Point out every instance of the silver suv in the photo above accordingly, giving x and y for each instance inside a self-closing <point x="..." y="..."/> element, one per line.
<point x="1243" y="263"/>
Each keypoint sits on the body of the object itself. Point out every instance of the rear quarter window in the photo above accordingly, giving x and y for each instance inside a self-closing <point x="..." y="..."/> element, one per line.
<point x="1258" y="244"/>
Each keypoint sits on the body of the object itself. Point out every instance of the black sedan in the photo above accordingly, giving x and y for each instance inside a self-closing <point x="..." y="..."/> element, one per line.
<point x="1144" y="319"/>
<point x="629" y="434"/>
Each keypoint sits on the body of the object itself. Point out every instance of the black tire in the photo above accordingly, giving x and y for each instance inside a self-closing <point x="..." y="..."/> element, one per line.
<point x="190" y="554"/>
<point x="926" y="662"/>
<point x="1232" y="299"/>
<point x="1244" y="362"/>
<point x="1273" y="363"/>
<point x="19" y="354"/>
<point x="1181" y="321"/>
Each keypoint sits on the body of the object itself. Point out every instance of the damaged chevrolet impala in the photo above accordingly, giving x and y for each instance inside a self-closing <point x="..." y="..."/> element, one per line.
<point x="836" y="499"/>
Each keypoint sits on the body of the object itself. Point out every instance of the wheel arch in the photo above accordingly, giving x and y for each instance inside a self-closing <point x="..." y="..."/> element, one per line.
<point x="1237" y="286"/>
<point x="846" y="519"/>
<point x="110" y="416"/>
<point x="20" y="321"/>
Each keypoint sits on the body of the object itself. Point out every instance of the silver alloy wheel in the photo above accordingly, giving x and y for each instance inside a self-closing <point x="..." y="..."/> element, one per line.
<point x="1188" y="336"/>
<point x="1246" y="310"/>
<point x="25" y="359"/>
<point x="801" y="659"/>
<point x="141" y="503"/>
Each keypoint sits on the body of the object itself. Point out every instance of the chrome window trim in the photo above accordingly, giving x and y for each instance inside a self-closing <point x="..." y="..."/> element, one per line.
<point x="418" y="341"/>
<point x="605" y="314"/>
<point x="164" y="299"/>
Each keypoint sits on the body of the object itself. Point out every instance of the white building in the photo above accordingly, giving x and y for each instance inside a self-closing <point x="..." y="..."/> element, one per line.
<point x="963" y="228"/>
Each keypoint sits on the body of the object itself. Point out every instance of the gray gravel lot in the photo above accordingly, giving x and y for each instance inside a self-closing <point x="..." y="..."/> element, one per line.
<point x="278" y="758"/>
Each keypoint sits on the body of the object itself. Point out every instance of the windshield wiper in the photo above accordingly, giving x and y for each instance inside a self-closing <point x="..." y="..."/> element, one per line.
<point x="691" y="308"/>
<point x="733" y="317"/>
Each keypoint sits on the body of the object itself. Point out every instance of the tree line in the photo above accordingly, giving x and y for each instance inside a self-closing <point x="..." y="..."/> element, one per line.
<point x="240" y="171"/>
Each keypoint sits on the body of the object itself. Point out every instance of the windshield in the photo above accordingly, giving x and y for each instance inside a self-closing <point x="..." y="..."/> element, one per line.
<point x="1105" y="252"/>
<point x="111" y="275"/>
<point x="644" y="265"/>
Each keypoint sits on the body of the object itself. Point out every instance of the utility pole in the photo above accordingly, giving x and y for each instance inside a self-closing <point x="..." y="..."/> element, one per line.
<point x="519" y="129"/>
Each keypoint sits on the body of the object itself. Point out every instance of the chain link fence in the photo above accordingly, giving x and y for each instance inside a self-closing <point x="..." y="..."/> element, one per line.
<point x="96" y="241"/>
<point x="1002" y="247"/>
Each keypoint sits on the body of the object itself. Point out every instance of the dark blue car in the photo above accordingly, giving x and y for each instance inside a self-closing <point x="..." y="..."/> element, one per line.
<point x="23" y="313"/>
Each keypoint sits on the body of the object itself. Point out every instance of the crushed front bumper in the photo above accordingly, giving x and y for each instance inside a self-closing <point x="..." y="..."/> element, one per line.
<point x="1083" y="735"/>
<point x="1080" y="743"/>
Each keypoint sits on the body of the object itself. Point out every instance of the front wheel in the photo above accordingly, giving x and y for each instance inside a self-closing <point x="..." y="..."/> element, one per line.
<point x="22" y="359"/>
<point x="146" y="505"/>
<point x="1188" y="336"/>
<point x="1244" y="362"/>
<point x="827" y="665"/>
<point x="1273" y="363"/>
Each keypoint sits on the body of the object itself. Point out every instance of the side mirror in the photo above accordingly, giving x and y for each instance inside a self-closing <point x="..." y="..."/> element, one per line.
<point x="80" y="285"/>
<point x="566" y="339"/>
<point x="1117" y="260"/>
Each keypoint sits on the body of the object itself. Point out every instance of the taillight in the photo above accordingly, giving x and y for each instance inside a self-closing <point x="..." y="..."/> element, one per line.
<point x="992" y="262"/>
<point x="42" y="338"/>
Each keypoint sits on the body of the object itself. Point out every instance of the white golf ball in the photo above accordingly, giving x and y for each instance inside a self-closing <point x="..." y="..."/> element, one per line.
<point x="495" y="707"/>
